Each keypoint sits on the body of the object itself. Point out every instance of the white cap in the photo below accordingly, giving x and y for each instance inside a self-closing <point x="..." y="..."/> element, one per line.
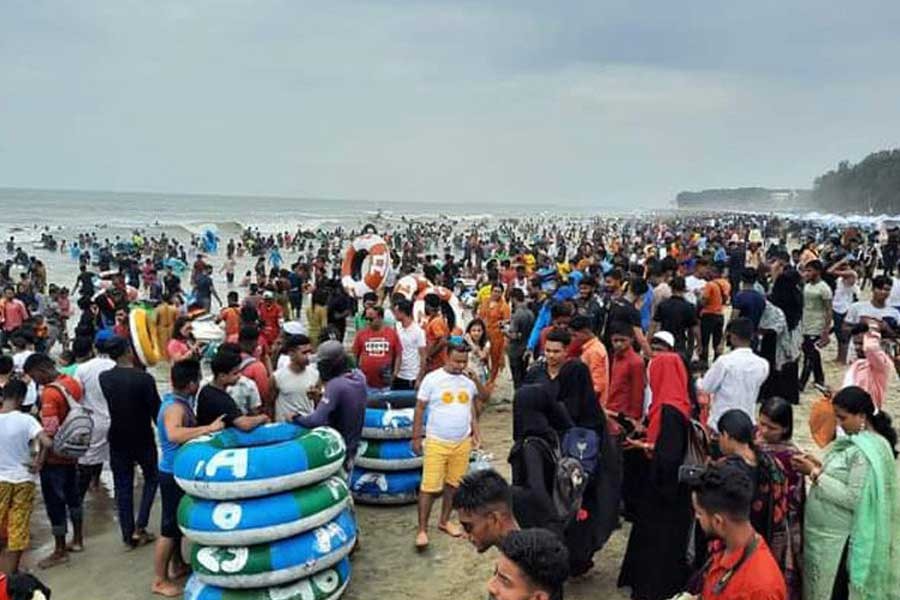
<point x="665" y="337"/>
<point x="294" y="328"/>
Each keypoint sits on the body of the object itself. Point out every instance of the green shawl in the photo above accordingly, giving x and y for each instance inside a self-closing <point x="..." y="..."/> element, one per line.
<point x="874" y="558"/>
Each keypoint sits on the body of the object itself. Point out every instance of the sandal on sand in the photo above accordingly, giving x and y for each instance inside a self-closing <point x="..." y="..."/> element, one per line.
<point x="143" y="538"/>
<point x="53" y="560"/>
<point x="73" y="547"/>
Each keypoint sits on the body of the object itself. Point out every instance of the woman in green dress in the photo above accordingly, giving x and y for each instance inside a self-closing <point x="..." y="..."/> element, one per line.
<point x="851" y="530"/>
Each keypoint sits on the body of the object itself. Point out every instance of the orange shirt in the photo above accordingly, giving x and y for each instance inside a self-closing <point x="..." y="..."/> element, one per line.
<point x="435" y="329"/>
<point x="714" y="294"/>
<point x="593" y="354"/>
<point x="758" y="578"/>
<point x="232" y="317"/>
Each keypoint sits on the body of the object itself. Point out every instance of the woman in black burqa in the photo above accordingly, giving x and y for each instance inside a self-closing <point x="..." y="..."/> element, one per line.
<point x="655" y="564"/>
<point x="599" y="515"/>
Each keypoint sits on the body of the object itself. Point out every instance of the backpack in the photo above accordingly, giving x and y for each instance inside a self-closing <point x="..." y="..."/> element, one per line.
<point x="697" y="445"/>
<point x="569" y="481"/>
<point x="73" y="438"/>
<point x="582" y="444"/>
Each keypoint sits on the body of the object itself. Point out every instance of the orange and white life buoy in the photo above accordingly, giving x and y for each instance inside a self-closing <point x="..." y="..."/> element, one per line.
<point x="410" y="286"/>
<point x="451" y="307"/>
<point x="367" y="263"/>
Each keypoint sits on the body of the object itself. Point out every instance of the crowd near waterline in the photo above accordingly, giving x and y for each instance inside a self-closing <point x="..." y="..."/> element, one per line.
<point x="647" y="371"/>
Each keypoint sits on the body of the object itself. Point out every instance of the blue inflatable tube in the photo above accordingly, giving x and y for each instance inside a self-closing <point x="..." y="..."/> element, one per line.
<point x="270" y="459"/>
<point x="265" y="519"/>
<point x="392" y="399"/>
<point x="276" y="563"/>
<point x="324" y="585"/>
<point x="388" y="424"/>
<point x="395" y="487"/>
<point x="387" y="455"/>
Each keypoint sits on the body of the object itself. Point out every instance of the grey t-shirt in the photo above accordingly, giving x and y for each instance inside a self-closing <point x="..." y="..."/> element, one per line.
<point x="521" y="322"/>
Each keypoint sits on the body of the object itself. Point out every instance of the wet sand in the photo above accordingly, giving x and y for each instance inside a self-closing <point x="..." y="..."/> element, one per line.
<point x="386" y="566"/>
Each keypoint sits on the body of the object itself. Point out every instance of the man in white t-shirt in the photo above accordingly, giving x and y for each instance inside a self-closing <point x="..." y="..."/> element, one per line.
<point x="88" y="374"/>
<point x="875" y="310"/>
<point x="449" y="394"/>
<point x="294" y="385"/>
<point x="412" y="348"/>
<point x="23" y="348"/>
<point x="18" y="469"/>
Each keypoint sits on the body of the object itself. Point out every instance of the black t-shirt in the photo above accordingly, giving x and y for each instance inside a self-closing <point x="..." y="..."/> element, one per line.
<point x="621" y="311"/>
<point x="213" y="403"/>
<point x="133" y="407"/>
<point x="86" y="283"/>
<point x="677" y="316"/>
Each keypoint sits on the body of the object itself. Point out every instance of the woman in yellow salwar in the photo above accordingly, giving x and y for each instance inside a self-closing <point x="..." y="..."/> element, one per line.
<point x="495" y="314"/>
<point x="850" y="531"/>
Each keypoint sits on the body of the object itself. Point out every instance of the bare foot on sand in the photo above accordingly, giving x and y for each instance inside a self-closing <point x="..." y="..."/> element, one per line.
<point x="421" y="540"/>
<point x="451" y="529"/>
<point x="166" y="589"/>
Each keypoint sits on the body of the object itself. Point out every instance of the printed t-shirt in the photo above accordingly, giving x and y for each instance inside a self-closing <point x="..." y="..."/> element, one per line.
<point x="449" y="399"/>
<point x="376" y="351"/>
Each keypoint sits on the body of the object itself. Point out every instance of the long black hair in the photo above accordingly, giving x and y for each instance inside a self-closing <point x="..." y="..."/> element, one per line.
<point x="857" y="401"/>
<point x="780" y="412"/>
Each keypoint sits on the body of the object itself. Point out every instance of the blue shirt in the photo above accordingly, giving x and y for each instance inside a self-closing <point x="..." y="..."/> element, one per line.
<point x="167" y="447"/>
<point x="751" y="303"/>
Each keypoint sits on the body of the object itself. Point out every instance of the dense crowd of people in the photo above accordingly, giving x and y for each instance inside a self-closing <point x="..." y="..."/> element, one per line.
<point x="655" y="364"/>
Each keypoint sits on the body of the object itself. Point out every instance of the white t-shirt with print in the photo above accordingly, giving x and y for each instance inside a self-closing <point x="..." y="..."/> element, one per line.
<point x="449" y="398"/>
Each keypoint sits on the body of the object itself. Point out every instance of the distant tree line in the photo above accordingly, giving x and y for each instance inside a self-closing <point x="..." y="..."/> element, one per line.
<point x="870" y="186"/>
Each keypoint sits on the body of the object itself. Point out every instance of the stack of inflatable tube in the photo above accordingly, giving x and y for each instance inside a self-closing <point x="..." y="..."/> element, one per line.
<point x="144" y="338"/>
<point x="268" y="514"/>
<point x="387" y="471"/>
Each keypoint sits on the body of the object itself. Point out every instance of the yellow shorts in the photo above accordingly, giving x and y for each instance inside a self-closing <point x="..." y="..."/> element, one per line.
<point x="16" y="500"/>
<point x="444" y="463"/>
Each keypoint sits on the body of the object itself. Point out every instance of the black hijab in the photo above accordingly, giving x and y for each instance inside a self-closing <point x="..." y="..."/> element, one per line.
<point x="537" y="414"/>
<point x="787" y="295"/>
<point x="576" y="393"/>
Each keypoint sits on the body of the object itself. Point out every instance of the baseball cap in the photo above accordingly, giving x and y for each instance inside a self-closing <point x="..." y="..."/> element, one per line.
<point x="665" y="337"/>
<point x="268" y="295"/>
<point x="330" y="350"/>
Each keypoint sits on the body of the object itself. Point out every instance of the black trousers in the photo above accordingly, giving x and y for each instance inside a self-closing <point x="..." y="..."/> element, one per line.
<point x="812" y="362"/>
<point x="711" y="329"/>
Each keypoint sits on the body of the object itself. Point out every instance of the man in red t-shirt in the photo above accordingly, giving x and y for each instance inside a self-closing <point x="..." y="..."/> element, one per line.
<point x="742" y="568"/>
<point x="59" y="477"/>
<point x="377" y="350"/>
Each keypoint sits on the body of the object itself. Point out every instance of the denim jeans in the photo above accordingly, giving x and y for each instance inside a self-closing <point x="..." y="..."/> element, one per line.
<point x="59" y="487"/>
<point x="122" y="465"/>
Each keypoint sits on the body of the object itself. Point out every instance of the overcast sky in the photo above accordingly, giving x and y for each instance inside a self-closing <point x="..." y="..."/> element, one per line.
<point x="598" y="102"/>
